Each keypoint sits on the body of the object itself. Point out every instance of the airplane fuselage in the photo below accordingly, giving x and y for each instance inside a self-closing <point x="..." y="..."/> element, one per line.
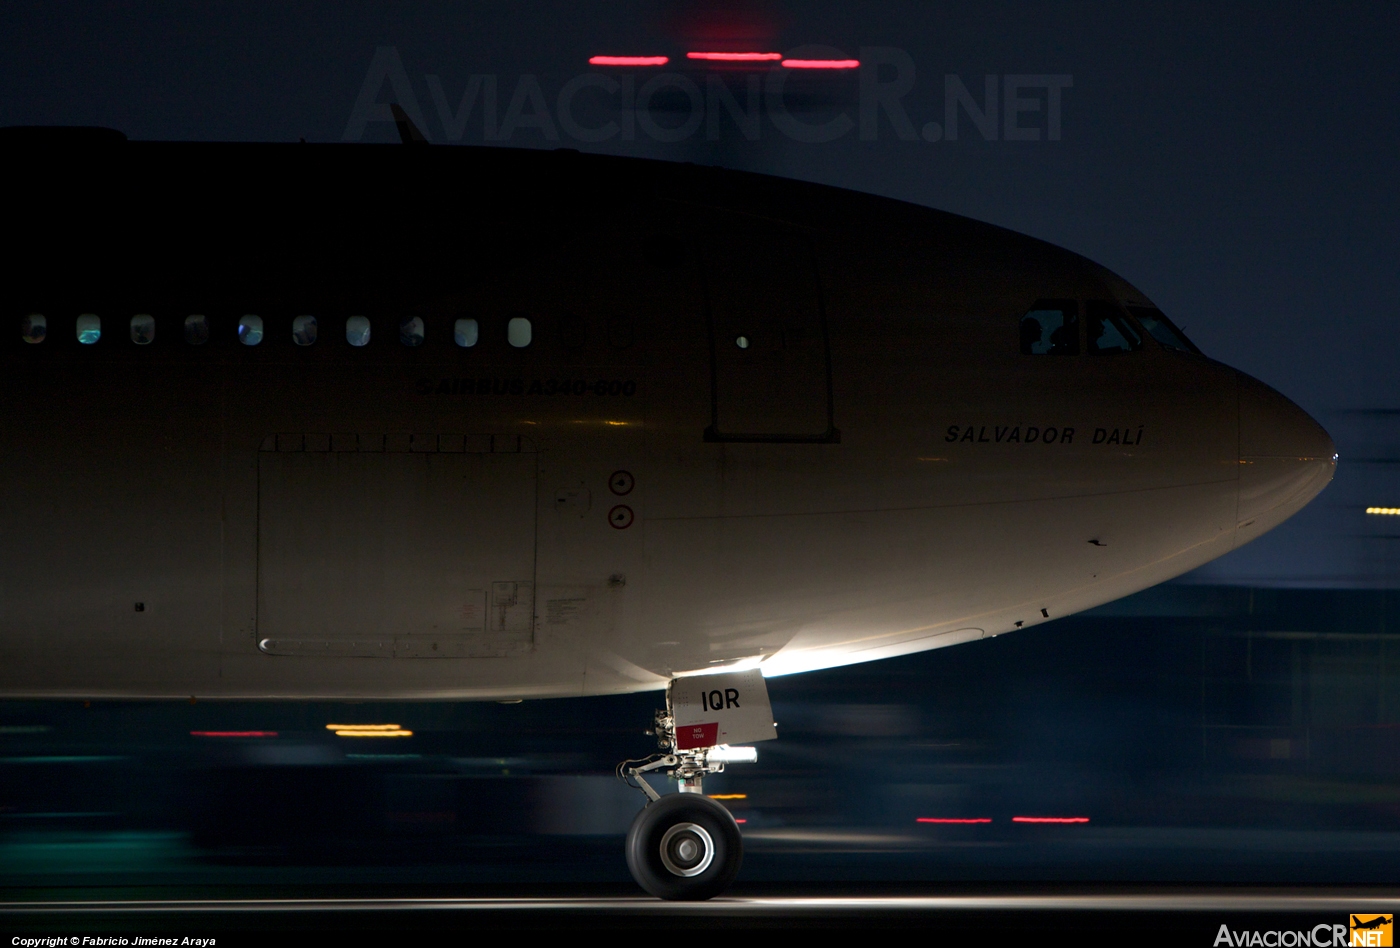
<point x="569" y="425"/>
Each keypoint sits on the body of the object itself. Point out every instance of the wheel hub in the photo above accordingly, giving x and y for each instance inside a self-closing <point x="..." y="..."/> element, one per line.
<point x="687" y="850"/>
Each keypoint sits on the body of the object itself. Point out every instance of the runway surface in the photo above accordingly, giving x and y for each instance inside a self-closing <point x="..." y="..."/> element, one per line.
<point x="1254" y="901"/>
<point x="1179" y="916"/>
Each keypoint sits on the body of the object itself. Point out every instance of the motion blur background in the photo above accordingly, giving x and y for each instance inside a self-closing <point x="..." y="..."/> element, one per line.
<point x="1242" y="723"/>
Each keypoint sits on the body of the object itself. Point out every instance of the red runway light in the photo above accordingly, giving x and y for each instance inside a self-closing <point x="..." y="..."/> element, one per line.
<point x="233" y="733"/>
<point x="741" y="821"/>
<point x="736" y="57"/>
<point x="932" y="819"/>
<point x="821" y="63"/>
<point x="628" y="60"/>
<point x="1049" y="819"/>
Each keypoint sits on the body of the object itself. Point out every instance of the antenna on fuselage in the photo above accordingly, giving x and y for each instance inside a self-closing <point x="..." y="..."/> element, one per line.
<point x="408" y="132"/>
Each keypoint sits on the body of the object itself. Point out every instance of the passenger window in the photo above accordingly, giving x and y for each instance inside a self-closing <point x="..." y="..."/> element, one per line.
<point x="518" y="332"/>
<point x="411" y="332"/>
<point x="196" y="330"/>
<point x="465" y="333"/>
<point x="304" y="330"/>
<point x="1108" y="331"/>
<point x="1161" y="328"/>
<point x="89" y="329"/>
<point x="143" y="329"/>
<point x="250" y="330"/>
<point x="357" y="330"/>
<point x="1051" y="328"/>
<point x="34" y="328"/>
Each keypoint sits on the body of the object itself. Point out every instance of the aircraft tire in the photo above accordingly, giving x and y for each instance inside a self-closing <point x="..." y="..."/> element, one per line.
<point x="684" y="847"/>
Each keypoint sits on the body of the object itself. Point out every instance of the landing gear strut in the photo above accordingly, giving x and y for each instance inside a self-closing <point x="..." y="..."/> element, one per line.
<point x="684" y="845"/>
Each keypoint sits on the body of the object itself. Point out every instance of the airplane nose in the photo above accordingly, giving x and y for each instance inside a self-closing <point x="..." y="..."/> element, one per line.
<point x="1286" y="459"/>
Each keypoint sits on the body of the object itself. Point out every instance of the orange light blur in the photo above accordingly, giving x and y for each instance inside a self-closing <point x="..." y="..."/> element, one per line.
<point x="368" y="730"/>
<point x="1049" y="819"/>
<point x="936" y="819"/>
<point x="362" y="727"/>
<point x="728" y="796"/>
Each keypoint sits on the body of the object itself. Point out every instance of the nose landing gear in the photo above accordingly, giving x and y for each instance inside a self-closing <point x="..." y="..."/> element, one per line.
<point x="684" y="845"/>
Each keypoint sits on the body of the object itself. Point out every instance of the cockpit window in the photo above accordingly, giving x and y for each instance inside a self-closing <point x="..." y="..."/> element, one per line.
<point x="1161" y="328"/>
<point x="1051" y="328"/>
<point x="1108" y="331"/>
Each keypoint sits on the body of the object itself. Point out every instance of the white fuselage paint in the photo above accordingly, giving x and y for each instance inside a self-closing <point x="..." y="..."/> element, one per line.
<point x="361" y="524"/>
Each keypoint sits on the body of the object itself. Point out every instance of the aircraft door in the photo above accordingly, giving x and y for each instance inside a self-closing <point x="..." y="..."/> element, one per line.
<point x="770" y="357"/>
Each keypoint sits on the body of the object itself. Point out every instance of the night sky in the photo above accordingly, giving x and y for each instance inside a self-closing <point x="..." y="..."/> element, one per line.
<point x="1236" y="162"/>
